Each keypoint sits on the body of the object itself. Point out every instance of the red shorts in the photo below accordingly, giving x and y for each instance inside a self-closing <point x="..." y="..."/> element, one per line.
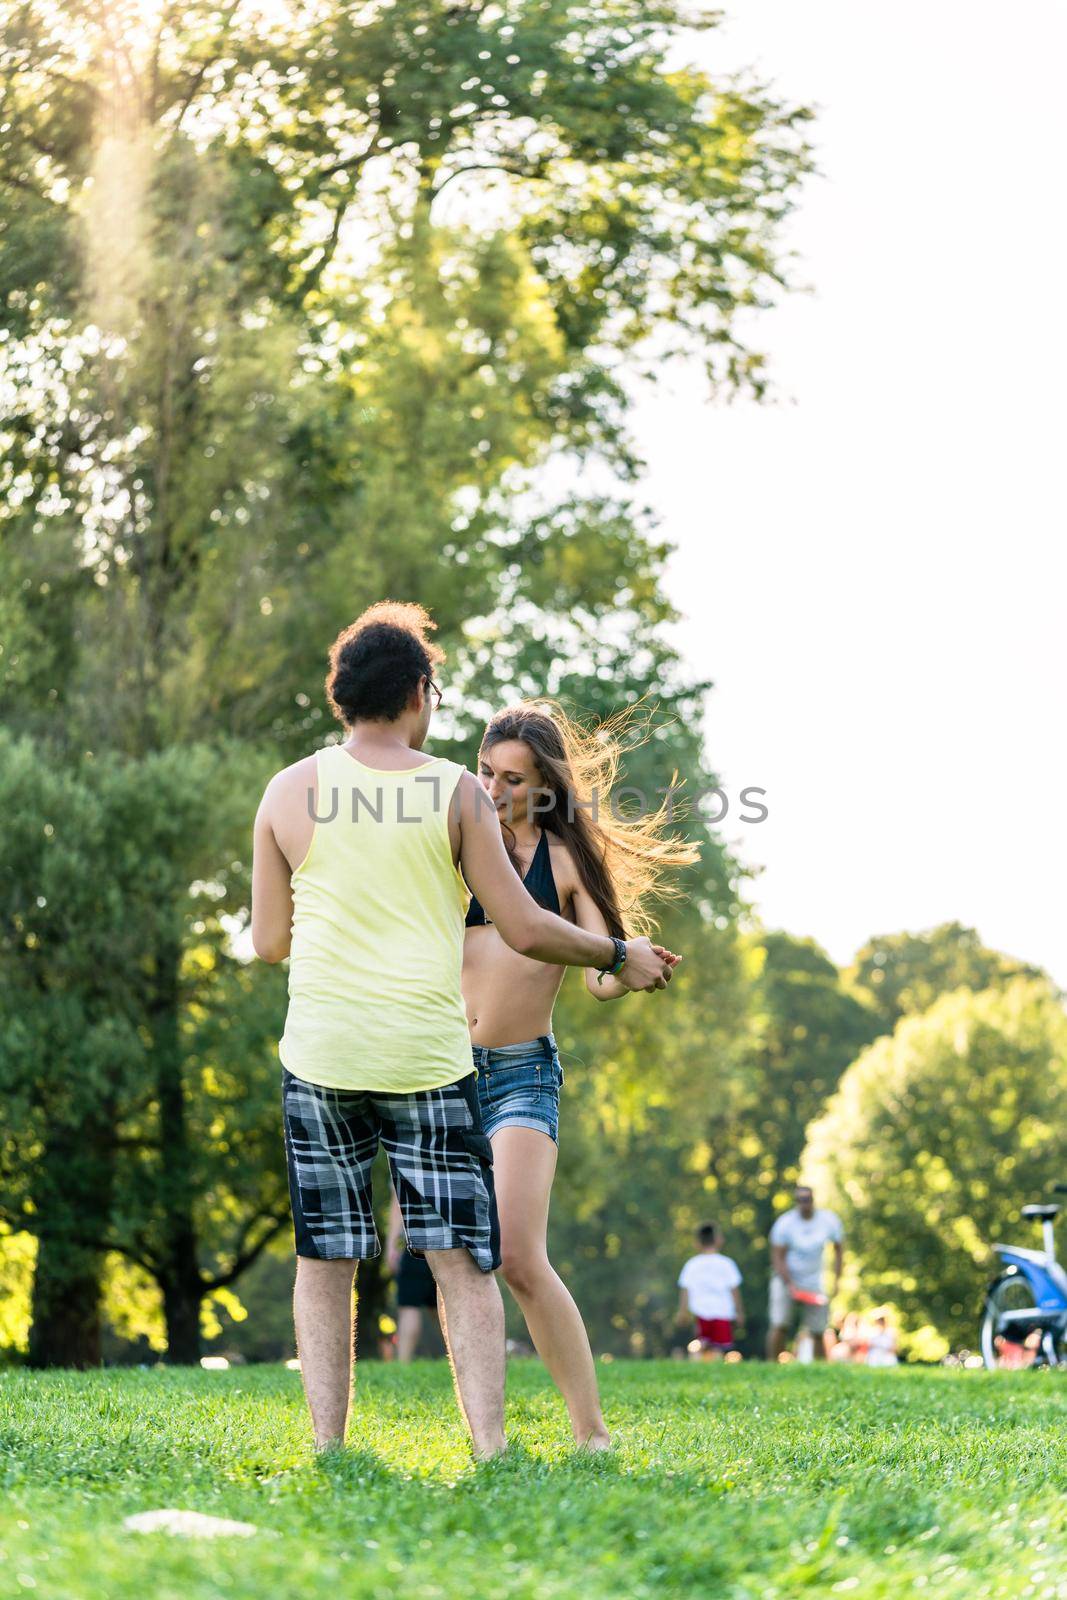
<point x="716" y="1330"/>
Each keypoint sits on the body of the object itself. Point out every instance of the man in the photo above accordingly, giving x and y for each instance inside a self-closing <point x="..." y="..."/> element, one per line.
<point x="710" y="1291"/>
<point x="798" y="1245"/>
<point x="416" y="1287"/>
<point x="356" y="876"/>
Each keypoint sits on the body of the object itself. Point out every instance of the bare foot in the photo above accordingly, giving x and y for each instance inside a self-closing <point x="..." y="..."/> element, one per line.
<point x="599" y="1440"/>
<point x="487" y="1452"/>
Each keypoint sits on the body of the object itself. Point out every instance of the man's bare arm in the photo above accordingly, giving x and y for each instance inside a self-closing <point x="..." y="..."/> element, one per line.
<point x="272" y="893"/>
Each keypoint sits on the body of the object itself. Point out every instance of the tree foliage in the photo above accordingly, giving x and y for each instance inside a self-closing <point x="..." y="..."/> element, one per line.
<point x="290" y="320"/>
<point x="692" y="1108"/>
<point x="141" y="1117"/>
<point x="937" y="1136"/>
<point x="902" y="974"/>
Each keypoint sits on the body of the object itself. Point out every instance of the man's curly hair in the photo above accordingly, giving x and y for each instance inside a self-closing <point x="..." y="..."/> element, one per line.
<point x="377" y="661"/>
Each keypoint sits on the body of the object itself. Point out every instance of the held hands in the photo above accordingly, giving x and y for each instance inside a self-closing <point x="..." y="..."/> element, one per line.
<point x="648" y="966"/>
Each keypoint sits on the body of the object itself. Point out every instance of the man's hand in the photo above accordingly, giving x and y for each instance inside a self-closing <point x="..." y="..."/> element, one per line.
<point x="392" y="1258"/>
<point x="644" y="968"/>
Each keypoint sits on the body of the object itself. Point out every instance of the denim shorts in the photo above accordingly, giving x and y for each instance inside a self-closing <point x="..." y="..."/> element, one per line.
<point x="519" y="1084"/>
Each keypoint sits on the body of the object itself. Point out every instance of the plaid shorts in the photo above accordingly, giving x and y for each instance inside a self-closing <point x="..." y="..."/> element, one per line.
<point x="440" y="1159"/>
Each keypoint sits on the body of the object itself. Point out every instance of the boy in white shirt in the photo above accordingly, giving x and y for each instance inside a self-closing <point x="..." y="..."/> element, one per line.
<point x="710" y="1291"/>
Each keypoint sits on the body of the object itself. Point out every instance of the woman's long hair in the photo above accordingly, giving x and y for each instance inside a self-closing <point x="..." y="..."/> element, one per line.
<point x="623" y="860"/>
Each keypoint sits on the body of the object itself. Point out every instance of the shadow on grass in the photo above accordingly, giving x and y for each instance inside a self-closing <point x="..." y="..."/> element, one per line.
<point x="570" y="1467"/>
<point x="347" y="1467"/>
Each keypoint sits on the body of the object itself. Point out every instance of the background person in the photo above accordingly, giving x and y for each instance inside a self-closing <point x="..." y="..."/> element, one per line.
<point x="881" y="1343"/>
<point x="416" y="1287"/>
<point x="798" y="1245"/>
<point x="851" y="1344"/>
<point x="710" y="1292"/>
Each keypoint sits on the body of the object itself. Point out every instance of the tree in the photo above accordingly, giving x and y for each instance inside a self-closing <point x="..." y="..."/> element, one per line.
<point x="260" y="378"/>
<point x="800" y="1031"/>
<point x="694" y="1108"/>
<point x="122" y="1133"/>
<point x="902" y="974"/>
<point x="936" y="1137"/>
<point x="17" y="1254"/>
<point x="642" y="1076"/>
<point x="68" y="1037"/>
<point x="303" y="384"/>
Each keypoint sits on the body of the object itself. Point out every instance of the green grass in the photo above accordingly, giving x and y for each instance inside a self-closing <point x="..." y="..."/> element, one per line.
<point x="736" y="1482"/>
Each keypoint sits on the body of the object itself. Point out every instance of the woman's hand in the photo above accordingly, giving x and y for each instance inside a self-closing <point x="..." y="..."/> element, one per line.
<point x="614" y="989"/>
<point x="643" y="968"/>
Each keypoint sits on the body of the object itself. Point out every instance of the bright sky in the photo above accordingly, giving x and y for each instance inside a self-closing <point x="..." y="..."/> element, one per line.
<point x="874" y="576"/>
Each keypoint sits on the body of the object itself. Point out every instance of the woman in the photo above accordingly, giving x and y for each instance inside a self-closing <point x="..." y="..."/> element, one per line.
<point x="543" y="774"/>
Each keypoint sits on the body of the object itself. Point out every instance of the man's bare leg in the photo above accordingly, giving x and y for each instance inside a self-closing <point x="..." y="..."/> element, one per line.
<point x="322" y="1312"/>
<point x="472" y="1321"/>
<point x="442" y="1318"/>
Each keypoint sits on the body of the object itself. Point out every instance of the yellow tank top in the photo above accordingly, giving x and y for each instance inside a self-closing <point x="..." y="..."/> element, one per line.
<point x="377" y="942"/>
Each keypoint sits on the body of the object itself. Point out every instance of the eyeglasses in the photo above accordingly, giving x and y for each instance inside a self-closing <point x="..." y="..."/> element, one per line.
<point x="436" y="691"/>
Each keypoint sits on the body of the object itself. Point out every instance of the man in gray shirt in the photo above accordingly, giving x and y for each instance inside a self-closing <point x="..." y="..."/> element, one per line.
<point x="798" y="1246"/>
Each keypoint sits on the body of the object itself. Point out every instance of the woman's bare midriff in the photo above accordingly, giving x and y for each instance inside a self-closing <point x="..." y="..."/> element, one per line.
<point x="509" y="997"/>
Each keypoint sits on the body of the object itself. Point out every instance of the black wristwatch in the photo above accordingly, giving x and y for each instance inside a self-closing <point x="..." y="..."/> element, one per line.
<point x="620" y="961"/>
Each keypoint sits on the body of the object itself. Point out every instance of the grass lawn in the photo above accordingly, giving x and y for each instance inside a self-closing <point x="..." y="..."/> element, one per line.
<point x="736" y="1482"/>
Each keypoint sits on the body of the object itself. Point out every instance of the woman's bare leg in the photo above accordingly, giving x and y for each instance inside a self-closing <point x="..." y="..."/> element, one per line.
<point x="524" y="1164"/>
<point x="408" y="1328"/>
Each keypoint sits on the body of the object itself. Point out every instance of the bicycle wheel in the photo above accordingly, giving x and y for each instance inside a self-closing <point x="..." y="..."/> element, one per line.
<point x="1014" y="1333"/>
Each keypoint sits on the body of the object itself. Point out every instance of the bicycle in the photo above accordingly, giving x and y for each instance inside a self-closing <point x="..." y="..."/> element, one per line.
<point x="1024" y="1319"/>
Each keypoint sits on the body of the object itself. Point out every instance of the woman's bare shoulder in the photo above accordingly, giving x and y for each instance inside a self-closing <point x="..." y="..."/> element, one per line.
<point x="564" y="867"/>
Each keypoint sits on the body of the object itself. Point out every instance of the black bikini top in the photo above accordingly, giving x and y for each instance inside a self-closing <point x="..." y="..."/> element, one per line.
<point x="538" y="881"/>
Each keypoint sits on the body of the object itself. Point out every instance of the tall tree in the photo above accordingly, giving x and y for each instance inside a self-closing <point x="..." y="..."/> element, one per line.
<point x="902" y="974"/>
<point x="801" y="1030"/>
<point x="309" y="384"/>
<point x="935" y="1139"/>
<point x="274" y="349"/>
<point x="120" y="1136"/>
